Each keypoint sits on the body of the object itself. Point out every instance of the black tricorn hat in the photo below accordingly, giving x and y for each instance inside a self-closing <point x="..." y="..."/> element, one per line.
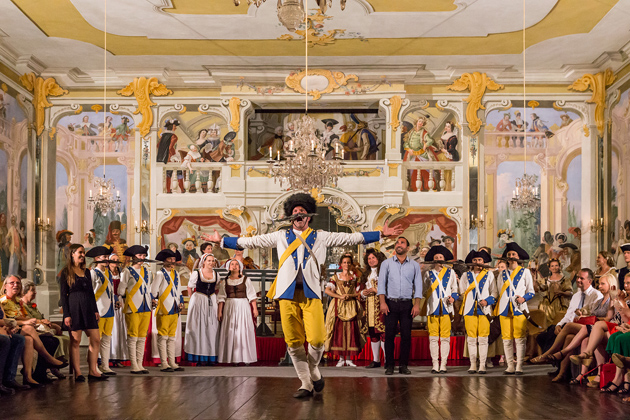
<point x="330" y="122"/>
<point x="230" y="136"/>
<point x="97" y="251"/>
<point x="478" y="254"/>
<point x="178" y="256"/>
<point x="164" y="254"/>
<point x="513" y="246"/>
<point x="625" y="247"/>
<point x="134" y="250"/>
<point x="438" y="249"/>
<point x="306" y="201"/>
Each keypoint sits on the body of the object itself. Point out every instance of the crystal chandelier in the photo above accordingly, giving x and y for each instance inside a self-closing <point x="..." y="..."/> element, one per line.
<point x="306" y="166"/>
<point x="526" y="195"/>
<point x="104" y="201"/>
<point x="291" y="12"/>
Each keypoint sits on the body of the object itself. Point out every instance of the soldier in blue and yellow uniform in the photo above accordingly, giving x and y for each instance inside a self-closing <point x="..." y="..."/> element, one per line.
<point x="516" y="288"/>
<point x="135" y="287"/>
<point x="478" y="290"/>
<point x="297" y="286"/>
<point x="440" y="284"/>
<point x="105" y="300"/>
<point x="169" y="301"/>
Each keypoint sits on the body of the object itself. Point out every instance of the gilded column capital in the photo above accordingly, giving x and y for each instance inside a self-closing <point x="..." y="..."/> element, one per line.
<point x="42" y="89"/>
<point x="598" y="84"/>
<point x="143" y="88"/>
<point x="477" y="83"/>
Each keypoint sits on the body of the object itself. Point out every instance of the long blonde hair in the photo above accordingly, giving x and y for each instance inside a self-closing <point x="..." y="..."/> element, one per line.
<point x="612" y="282"/>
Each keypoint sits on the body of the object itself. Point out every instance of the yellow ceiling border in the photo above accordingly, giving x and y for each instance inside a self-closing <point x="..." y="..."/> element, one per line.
<point x="60" y="19"/>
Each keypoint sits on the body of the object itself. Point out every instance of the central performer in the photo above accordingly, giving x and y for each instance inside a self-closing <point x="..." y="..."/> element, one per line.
<point x="302" y="252"/>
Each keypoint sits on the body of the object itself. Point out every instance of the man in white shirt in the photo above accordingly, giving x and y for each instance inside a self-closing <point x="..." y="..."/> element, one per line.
<point x="586" y="297"/>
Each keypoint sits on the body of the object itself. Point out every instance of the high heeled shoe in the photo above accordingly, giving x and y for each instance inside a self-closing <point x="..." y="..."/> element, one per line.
<point x="585" y="359"/>
<point x="620" y="361"/>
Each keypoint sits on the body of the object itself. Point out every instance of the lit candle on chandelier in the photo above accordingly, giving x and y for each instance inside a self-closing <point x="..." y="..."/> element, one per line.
<point x="291" y="145"/>
<point x="278" y="154"/>
<point x="270" y="153"/>
<point x="342" y="154"/>
<point x="117" y="193"/>
<point x="312" y="145"/>
<point x="90" y="193"/>
<point x="336" y="149"/>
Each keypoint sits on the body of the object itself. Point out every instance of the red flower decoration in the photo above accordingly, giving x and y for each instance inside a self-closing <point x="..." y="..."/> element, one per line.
<point x="33" y="305"/>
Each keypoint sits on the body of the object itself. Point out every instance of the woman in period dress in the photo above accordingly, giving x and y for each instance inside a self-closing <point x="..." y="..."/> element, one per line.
<point x="605" y="265"/>
<point x="119" y="331"/>
<point x="373" y="315"/>
<point x="237" y="301"/>
<point x="200" y="342"/>
<point x="80" y="312"/>
<point x="556" y="290"/>
<point x="344" y="335"/>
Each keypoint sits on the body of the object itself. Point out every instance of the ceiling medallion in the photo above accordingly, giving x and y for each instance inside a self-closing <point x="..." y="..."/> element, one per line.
<point x="334" y="80"/>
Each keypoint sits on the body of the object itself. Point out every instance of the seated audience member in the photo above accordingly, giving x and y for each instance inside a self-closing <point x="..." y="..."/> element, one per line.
<point x="619" y="347"/>
<point x="597" y="332"/>
<point x="556" y="291"/>
<point x="12" y="347"/>
<point x="45" y="345"/>
<point x="586" y="296"/>
<point x="29" y="293"/>
<point x="561" y="334"/>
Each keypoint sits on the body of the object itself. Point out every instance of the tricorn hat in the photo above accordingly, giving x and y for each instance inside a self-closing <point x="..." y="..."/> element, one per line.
<point x="303" y="200"/>
<point x="134" y="250"/>
<point x="438" y="249"/>
<point x="230" y="136"/>
<point x="625" y="247"/>
<point x="97" y="251"/>
<point x="478" y="254"/>
<point x="164" y="254"/>
<point x="513" y="246"/>
<point x="61" y="233"/>
<point x="330" y="122"/>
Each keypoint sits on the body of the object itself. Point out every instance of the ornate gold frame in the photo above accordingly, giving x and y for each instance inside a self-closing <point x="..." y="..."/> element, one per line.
<point x="336" y="79"/>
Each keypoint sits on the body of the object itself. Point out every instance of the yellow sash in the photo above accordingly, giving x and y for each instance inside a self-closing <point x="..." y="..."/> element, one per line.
<point x="164" y="295"/>
<point x="286" y="254"/>
<point x="429" y="292"/>
<point x="504" y="288"/>
<point x="470" y="287"/>
<point x="103" y="287"/>
<point x="135" y="289"/>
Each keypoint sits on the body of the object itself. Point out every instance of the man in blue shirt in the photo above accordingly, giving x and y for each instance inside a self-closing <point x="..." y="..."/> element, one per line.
<point x="399" y="290"/>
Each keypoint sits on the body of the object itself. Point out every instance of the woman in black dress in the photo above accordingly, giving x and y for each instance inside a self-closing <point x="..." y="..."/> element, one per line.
<point x="79" y="311"/>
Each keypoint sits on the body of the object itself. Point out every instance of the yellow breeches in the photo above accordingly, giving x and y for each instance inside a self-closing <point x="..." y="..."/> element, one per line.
<point x="166" y="324"/>
<point x="105" y="326"/>
<point x="513" y="326"/>
<point x="440" y="326"/>
<point x="302" y="319"/>
<point x="477" y="326"/>
<point x="138" y="324"/>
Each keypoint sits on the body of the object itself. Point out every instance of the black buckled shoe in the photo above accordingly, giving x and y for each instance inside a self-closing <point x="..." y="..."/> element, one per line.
<point x="303" y="393"/>
<point x="389" y="370"/>
<point x="404" y="370"/>
<point x="373" y="365"/>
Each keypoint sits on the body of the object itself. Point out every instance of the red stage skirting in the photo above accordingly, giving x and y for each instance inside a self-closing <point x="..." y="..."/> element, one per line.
<point x="273" y="349"/>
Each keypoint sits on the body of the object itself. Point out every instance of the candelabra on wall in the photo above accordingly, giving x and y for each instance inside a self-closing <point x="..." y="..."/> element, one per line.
<point x="40" y="225"/>
<point x="144" y="228"/>
<point x="596" y="226"/>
